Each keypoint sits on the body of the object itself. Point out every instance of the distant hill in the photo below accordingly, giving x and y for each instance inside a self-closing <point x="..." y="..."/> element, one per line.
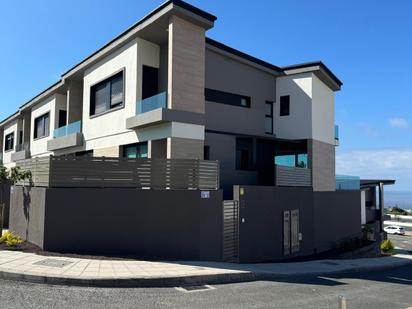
<point x="401" y="198"/>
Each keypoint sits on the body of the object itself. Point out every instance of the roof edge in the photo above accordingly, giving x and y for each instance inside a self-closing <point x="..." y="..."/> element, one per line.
<point x="314" y="63"/>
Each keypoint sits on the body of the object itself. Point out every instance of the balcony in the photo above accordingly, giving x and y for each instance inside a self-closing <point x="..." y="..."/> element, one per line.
<point x="154" y="110"/>
<point x="345" y="182"/>
<point x="288" y="176"/>
<point x="152" y="103"/>
<point x="22" y="152"/>
<point x="336" y="135"/>
<point x="66" y="137"/>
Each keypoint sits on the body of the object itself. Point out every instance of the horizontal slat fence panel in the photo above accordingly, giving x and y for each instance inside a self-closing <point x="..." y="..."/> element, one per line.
<point x="293" y="176"/>
<point x="69" y="171"/>
<point x="40" y="171"/>
<point x="230" y="230"/>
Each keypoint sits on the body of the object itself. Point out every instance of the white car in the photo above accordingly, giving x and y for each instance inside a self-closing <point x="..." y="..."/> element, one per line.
<point x="393" y="229"/>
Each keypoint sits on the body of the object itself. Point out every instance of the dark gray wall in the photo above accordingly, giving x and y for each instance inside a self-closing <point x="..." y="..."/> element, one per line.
<point x="223" y="148"/>
<point x="27" y="213"/>
<point x="226" y="74"/>
<point x="147" y="223"/>
<point x="325" y="220"/>
<point x="261" y="234"/>
<point x="6" y="201"/>
<point x="337" y="217"/>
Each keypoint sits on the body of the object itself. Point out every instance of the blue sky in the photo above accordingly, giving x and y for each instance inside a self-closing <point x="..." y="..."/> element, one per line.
<point x="367" y="44"/>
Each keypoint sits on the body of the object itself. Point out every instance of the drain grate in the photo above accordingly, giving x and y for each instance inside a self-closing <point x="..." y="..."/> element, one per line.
<point x="53" y="263"/>
<point x="195" y="288"/>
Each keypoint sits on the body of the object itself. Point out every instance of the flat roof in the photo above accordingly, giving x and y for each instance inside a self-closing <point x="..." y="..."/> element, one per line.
<point x="311" y="64"/>
<point x="376" y="182"/>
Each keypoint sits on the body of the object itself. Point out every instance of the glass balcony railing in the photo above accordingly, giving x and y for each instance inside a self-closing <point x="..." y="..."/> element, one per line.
<point x="152" y="103"/>
<point x="336" y="132"/>
<point x="74" y="127"/>
<point x="345" y="182"/>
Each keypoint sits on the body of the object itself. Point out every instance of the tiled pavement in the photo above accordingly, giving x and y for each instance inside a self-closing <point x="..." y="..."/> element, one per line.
<point x="76" y="271"/>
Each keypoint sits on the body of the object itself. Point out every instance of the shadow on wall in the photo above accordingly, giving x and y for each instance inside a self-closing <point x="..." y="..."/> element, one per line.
<point x="26" y="208"/>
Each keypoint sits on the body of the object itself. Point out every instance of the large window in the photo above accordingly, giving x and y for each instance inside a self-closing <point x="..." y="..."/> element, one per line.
<point x="107" y="94"/>
<point x="269" y="117"/>
<point x="285" y="105"/>
<point x="227" y="98"/>
<point x="134" y="151"/>
<point x="42" y="126"/>
<point x="9" y="142"/>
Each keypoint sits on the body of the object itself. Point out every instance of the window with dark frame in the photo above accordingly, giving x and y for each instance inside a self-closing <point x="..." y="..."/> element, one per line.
<point x="244" y="154"/>
<point x="269" y="117"/>
<point x="107" y="94"/>
<point x="222" y="97"/>
<point x="284" y="105"/>
<point x="20" y="137"/>
<point x="133" y="151"/>
<point x="42" y="126"/>
<point x="9" y="142"/>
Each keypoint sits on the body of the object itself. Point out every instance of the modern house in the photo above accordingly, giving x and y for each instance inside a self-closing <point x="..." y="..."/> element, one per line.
<point x="162" y="90"/>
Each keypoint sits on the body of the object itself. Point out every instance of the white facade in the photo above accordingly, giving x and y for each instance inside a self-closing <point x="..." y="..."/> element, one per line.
<point x="52" y="105"/>
<point x="311" y="108"/>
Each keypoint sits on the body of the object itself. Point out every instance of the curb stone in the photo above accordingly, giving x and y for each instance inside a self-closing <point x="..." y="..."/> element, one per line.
<point x="184" y="280"/>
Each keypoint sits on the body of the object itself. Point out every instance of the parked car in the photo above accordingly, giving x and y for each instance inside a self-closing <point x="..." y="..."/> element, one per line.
<point x="393" y="229"/>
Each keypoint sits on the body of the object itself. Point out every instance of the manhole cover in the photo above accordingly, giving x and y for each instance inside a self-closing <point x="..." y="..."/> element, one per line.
<point x="330" y="263"/>
<point x="53" y="263"/>
<point x="195" y="288"/>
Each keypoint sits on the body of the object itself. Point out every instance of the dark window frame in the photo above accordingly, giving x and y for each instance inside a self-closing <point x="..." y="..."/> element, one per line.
<point x="244" y="146"/>
<point x="284" y="106"/>
<point x="125" y="147"/>
<point x="46" y="134"/>
<point x="227" y="98"/>
<point x="206" y="152"/>
<point x="106" y="80"/>
<point x="270" y="116"/>
<point x="9" y="145"/>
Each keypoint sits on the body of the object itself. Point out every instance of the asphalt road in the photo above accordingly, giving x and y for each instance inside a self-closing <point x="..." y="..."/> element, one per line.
<point x="386" y="289"/>
<point x="402" y="242"/>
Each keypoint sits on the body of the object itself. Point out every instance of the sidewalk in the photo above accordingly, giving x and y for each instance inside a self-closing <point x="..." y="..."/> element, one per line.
<point x="133" y="273"/>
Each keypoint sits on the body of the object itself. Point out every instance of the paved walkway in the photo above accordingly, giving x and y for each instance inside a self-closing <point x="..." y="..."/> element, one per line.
<point x="77" y="271"/>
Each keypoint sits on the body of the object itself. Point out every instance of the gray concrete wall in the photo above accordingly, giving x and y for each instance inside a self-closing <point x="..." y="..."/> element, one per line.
<point x="326" y="219"/>
<point x="337" y="217"/>
<point x="321" y="158"/>
<point x="27" y="213"/>
<point x="229" y="75"/>
<point x="184" y="148"/>
<point x="165" y="224"/>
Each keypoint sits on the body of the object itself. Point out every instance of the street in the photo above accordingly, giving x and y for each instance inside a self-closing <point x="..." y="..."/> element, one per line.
<point x="384" y="289"/>
<point x="404" y="243"/>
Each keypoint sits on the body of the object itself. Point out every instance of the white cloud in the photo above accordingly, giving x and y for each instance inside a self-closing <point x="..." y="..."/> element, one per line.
<point x="378" y="163"/>
<point x="399" y="123"/>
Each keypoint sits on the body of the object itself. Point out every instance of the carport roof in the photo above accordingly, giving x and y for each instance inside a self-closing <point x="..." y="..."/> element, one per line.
<point x="375" y="182"/>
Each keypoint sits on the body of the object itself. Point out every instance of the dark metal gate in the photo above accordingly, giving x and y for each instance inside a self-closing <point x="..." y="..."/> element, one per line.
<point x="230" y="231"/>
